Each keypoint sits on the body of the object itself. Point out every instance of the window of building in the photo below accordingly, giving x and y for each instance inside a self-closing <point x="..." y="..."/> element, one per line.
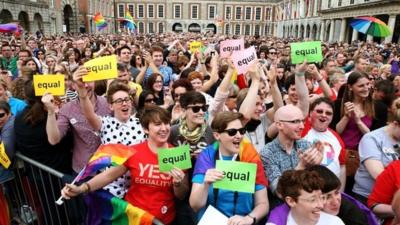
<point x="258" y="13"/>
<point x="151" y="28"/>
<point x="160" y="28"/>
<point x="257" y="29"/>
<point x="212" y="11"/>
<point x="247" y="29"/>
<point x="140" y="9"/>
<point x="150" y="11"/>
<point x="227" y="29"/>
<point x="237" y="29"/>
<point x="267" y="29"/>
<point x="238" y="13"/>
<point x="339" y="3"/>
<point x="141" y="27"/>
<point x="131" y="9"/>
<point x="268" y="14"/>
<point x="121" y="10"/>
<point x="351" y="2"/>
<point x="194" y="11"/>
<point x="228" y="12"/>
<point x="160" y="11"/>
<point x="177" y="11"/>
<point x="248" y="12"/>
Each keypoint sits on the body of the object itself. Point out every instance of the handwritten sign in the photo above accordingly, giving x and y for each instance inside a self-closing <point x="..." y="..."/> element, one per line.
<point x="238" y="176"/>
<point x="102" y="68"/>
<point x="310" y="50"/>
<point x="234" y="45"/>
<point x="178" y="157"/>
<point x="53" y="84"/>
<point x="4" y="160"/>
<point x="243" y="59"/>
<point x="195" y="46"/>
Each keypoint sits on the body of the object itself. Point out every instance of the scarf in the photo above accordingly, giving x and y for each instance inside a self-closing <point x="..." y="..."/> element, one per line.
<point x="194" y="135"/>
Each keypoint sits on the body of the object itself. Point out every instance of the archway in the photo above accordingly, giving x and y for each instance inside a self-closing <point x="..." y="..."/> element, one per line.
<point x="308" y="31"/>
<point x="23" y="19"/>
<point x="296" y="31"/>
<point x="211" y="27"/>
<point x="301" y="33"/>
<point x="37" y="22"/>
<point x="194" y="27"/>
<point x="68" y="13"/>
<point x="314" y="32"/>
<point x="177" y="27"/>
<point x="5" y="16"/>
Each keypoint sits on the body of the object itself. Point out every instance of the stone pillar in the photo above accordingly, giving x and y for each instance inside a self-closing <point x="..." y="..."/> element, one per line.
<point x="343" y="30"/>
<point x="322" y="31"/>
<point x="391" y="24"/>
<point x="332" y="30"/>
<point x="355" y="35"/>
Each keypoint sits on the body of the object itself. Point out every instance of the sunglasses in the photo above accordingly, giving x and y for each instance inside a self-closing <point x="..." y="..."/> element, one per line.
<point x="272" y="53"/>
<point x="320" y="111"/>
<point x="2" y="114"/>
<point x="196" y="109"/>
<point x="232" y="132"/>
<point x="149" y="100"/>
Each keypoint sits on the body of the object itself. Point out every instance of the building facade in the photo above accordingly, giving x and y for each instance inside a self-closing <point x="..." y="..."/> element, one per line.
<point x="220" y="16"/>
<point x="329" y="20"/>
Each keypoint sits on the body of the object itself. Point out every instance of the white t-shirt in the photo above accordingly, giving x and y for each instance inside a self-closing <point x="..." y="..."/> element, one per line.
<point x="324" y="219"/>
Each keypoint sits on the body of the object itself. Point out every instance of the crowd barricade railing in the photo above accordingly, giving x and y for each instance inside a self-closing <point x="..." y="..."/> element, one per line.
<point x="33" y="192"/>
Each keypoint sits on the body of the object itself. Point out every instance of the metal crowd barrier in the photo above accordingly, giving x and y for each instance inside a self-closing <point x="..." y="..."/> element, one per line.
<point x="33" y="192"/>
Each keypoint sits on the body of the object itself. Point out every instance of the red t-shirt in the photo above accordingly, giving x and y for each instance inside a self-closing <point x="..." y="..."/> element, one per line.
<point x="150" y="190"/>
<point x="320" y="91"/>
<point x="386" y="185"/>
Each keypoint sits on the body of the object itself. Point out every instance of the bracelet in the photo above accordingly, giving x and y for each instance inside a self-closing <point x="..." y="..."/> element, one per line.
<point x="253" y="217"/>
<point x="300" y="74"/>
<point x="87" y="188"/>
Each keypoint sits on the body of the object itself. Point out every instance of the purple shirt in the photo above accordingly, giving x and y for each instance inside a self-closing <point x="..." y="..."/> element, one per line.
<point x="86" y="140"/>
<point x="352" y="134"/>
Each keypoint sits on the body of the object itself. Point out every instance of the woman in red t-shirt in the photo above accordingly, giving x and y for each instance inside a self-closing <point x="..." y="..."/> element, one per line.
<point x="150" y="190"/>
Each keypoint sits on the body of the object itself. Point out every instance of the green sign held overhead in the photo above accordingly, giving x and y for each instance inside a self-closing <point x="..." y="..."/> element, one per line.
<point x="238" y="176"/>
<point x="174" y="157"/>
<point x="310" y="50"/>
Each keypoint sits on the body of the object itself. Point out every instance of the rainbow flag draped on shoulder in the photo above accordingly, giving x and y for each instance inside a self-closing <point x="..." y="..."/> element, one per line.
<point x="100" y="21"/>
<point x="103" y="207"/>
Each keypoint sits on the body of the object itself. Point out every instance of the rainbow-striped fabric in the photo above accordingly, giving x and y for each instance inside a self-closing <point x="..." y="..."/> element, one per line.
<point x="9" y="28"/>
<point x="103" y="207"/>
<point x="128" y="21"/>
<point x="100" y="21"/>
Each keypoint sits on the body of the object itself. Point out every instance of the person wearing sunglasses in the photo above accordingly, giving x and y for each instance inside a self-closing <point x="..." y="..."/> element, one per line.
<point x="316" y="129"/>
<point x="239" y="207"/>
<point x="193" y="130"/>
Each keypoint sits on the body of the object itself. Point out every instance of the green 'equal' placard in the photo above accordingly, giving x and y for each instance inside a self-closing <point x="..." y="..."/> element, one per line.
<point x="239" y="176"/>
<point x="310" y="50"/>
<point x="178" y="157"/>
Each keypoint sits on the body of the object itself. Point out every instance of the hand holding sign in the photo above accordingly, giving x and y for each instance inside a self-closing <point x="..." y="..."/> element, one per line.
<point x="48" y="102"/>
<point x="77" y="77"/>
<point x="177" y="175"/>
<point x="213" y="175"/>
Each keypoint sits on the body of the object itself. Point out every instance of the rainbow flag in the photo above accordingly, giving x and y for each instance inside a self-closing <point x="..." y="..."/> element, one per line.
<point x="103" y="207"/>
<point x="100" y="21"/>
<point x="106" y="209"/>
<point x="9" y="28"/>
<point x="106" y="155"/>
<point x="128" y="21"/>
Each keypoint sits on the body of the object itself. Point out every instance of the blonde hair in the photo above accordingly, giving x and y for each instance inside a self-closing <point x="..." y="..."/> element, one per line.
<point x="386" y="66"/>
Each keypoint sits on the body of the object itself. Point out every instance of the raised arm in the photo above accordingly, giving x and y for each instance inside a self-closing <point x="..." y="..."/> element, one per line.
<point x="214" y="73"/>
<point x="301" y="88"/>
<point x="249" y="103"/>
<point x="84" y="101"/>
<point x="53" y="133"/>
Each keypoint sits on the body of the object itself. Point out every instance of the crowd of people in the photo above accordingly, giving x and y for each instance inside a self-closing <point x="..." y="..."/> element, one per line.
<point x="325" y="136"/>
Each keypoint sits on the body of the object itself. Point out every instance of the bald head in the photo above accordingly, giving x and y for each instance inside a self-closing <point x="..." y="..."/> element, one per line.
<point x="288" y="112"/>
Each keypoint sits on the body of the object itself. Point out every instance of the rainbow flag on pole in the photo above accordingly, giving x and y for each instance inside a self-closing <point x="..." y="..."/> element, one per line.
<point x="100" y="21"/>
<point x="103" y="207"/>
<point x="128" y="21"/>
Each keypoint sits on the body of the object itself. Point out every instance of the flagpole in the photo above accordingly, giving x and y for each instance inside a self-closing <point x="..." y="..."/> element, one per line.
<point x="60" y="200"/>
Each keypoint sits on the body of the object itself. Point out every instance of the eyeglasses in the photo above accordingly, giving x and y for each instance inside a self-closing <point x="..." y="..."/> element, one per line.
<point x="120" y="101"/>
<point x="293" y="121"/>
<point x="272" y="53"/>
<point x="320" y="111"/>
<point x="149" y="100"/>
<point x="232" y="132"/>
<point x="2" y="114"/>
<point x="314" y="200"/>
<point x="196" y="108"/>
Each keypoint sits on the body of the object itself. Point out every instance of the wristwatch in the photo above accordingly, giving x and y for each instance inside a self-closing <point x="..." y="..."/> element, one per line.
<point x="253" y="217"/>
